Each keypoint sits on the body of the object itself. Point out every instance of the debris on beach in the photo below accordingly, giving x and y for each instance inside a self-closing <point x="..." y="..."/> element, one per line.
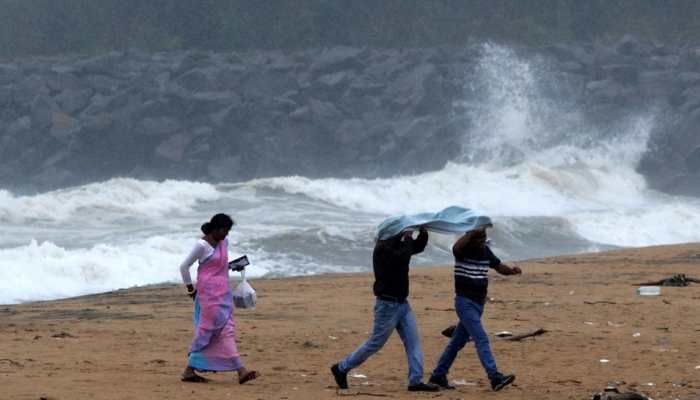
<point x="612" y="393"/>
<point x="506" y="335"/>
<point x="677" y="280"/>
<point x="311" y="344"/>
<point x="517" y="338"/>
<point x="63" y="335"/>
<point x="11" y="363"/>
<point x="347" y="392"/>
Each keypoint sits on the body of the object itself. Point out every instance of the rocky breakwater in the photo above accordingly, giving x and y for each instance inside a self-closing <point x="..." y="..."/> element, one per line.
<point x="321" y="112"/>
<point x="224" y="117"/>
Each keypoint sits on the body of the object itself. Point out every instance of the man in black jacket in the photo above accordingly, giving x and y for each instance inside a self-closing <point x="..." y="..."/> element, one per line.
<point x="392" y="311"/>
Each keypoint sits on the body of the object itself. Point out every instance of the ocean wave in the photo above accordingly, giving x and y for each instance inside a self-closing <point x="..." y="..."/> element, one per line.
<point x="115" y="198"/>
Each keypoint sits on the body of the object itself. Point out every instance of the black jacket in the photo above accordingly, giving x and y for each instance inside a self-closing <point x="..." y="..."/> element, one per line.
<point x="391" y="258"/>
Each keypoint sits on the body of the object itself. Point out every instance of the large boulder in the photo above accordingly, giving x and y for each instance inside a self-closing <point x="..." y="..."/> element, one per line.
<point x="72" y="101"/>
<point x="42" y="109"/>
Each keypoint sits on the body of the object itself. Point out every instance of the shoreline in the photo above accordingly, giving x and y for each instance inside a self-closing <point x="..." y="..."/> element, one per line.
<point x="132" y="343"/>
<point x="233" y="280"/>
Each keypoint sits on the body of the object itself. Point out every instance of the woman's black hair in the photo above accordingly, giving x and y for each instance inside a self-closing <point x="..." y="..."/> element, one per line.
<point x="218" y="221"/>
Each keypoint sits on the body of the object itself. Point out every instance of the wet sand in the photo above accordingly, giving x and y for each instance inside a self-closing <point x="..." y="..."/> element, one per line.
<point x="131" y="344"/>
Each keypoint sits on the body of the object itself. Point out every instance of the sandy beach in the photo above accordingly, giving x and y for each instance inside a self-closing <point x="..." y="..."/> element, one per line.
<point x="131" y="344"/>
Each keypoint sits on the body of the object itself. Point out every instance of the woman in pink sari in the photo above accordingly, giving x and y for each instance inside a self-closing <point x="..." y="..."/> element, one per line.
<point x="214" y="345"/>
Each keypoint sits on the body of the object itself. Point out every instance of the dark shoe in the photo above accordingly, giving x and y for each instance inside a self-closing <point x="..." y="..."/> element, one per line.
<point x="424" y="387"/>
<point x="341" y="378"/>
<point x="248" y="377"/>
<point x="449" y="331"/>
<point x="441" y="381"/>
<point x="499" y="381"/>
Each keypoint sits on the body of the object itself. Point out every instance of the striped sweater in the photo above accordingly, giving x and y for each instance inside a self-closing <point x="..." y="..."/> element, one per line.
<point x="471" y="272"/>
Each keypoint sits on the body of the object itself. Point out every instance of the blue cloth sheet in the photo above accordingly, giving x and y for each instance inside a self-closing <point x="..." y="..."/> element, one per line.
<point x="450" y="220"/>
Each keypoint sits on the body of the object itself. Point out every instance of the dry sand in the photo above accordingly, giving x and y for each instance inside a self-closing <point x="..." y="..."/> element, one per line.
<point x="131" y="344"/>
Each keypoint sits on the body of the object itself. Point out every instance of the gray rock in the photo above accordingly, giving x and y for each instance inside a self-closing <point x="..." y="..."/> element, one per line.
<point x="205" y="103"/>
<point x="570" y="53"/>
<point x="72" y="101"/>
<point x="63" y="126"/>
<point x="193" y="60"/>
<point x="229" y="77"/>
<point x="98" y="104"/>
<point x="302" y="113"/>
<point x="335" y="79"/>
<point x="8" y="115"/>
<point x="52" y="177"/>
<point x="108" y="65"/>
<point x="351" y="131"/>
<point x="689" y="78"/>
<point x="28" y="89"/>
<point x="22" y="124"/>
<point x="9" y="74"/>
<point x="658" y="84"/>
<point x="59" y="82"/>
<point x="630" y="45"/>
<point x="174" y="147"/>
<point x="5" y="96"/>
<point x="627" y="75"/>
<point x="336" y="59"/>
<point x="223" y="168"/>
<point x="41" y="112"/>
<point x="682" y="184"/>
<point x="325" y="114"/>
<point x="102" y="84"/>
<point x="268" y="83"/>
<point x="198" y="80"/>
<point x="97" y="123"/>
<point x="158" y="126"/>
<point x="664" y="62"/>
<point x="409" y="88"/>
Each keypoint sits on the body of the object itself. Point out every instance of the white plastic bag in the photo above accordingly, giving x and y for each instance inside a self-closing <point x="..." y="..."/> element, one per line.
<point x="244" y="295"/>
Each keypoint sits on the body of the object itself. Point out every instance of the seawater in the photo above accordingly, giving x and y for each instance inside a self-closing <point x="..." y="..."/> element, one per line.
<point x="552" y="183"/>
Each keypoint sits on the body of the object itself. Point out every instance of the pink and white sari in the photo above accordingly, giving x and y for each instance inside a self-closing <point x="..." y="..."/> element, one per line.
<point x="214" y="344"/>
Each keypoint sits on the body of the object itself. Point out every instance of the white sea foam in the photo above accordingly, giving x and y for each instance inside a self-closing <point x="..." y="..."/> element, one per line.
<point x="40" y="271"/>
<point x="116" y="198"/>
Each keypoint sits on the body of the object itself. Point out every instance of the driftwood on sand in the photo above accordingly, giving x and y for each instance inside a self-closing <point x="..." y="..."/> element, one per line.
<point x="678" y="280"/>
<point x="526" y="335"/>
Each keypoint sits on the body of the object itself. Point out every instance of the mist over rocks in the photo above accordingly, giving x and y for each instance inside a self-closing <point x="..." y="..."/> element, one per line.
<point x="338" y="111"/>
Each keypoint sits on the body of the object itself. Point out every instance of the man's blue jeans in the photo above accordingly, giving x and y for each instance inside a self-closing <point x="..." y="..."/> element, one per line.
<point x="469" y="313"/>
<point x="387" y="317"/>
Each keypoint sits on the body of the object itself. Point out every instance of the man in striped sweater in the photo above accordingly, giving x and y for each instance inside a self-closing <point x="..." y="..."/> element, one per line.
<point x="473" y="258"/>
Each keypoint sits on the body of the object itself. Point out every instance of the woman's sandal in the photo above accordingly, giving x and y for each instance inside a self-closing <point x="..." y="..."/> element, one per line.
<point x="194" y="378"/>
<point x="248" y="377"/>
